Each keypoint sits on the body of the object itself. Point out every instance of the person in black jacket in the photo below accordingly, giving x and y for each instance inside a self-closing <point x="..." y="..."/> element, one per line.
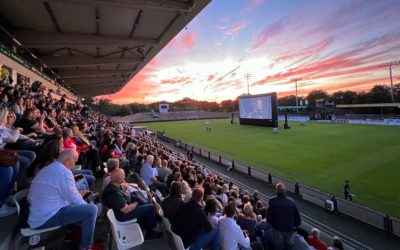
<point x="192" y="225"/>
<point x="173" y="201"/>
<point x="126" y="208"/>
<point x="284" y="218"/>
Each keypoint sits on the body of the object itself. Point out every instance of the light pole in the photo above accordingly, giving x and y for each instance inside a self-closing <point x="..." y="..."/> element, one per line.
<point x="248" y="76"/>
<point x="390" y="64"/>
<point x="297" y="101"/>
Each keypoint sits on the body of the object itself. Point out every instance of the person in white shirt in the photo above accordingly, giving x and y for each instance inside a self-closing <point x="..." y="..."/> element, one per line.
<point x="230" y="234"/>
<point x="55" y="201"/>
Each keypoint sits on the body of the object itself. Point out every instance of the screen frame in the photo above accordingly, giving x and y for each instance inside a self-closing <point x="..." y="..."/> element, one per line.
<point x="273" y="122"/>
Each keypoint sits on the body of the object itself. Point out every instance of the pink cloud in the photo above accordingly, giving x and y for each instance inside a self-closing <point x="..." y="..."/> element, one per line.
<point x="268" y="33"/>
<point x="253" y="4"/>
<point x="235" y="28"/>
<point x="210" y="77"/>
<point x="188" y="40"/>
<point x="182" y="43"/>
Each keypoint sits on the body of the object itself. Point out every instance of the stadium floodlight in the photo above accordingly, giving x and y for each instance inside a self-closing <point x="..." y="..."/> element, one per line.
<point x="297" y="101"/>
<point x="390" y="64"/>
<point x="247" y="76"/>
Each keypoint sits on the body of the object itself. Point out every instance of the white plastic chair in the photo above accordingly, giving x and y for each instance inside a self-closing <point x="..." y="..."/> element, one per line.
<point x="33" y="234"/>
<point x="127" y="234"/>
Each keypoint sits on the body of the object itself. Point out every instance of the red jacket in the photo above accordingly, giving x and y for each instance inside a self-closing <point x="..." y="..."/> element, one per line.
<point x="71" y="144"/>
<point x="316" y="243"/>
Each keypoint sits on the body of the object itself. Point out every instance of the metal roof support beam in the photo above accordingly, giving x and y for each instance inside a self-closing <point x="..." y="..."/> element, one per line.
<point x="38" y="39"/>
<point x="89" y="72"/>
<point x="97" y="88"/>
<point x="78" y="81"/>
<point x="134" y="4"/>
<point x="95" y="92"/>
<point x="82" y="61"/>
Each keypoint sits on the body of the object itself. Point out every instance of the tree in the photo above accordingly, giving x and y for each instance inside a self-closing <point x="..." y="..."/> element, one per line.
<point x="315" y="95"/>
<point x="228" y="106"/>
<point x="287" y="101"/>
<point x="379" y="94"/>
<point x="344" y="97"/>
<point x="396" y="90"/>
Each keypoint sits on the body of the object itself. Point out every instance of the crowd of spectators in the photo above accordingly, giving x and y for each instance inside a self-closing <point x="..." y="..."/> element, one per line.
<point x="62" y="147"/>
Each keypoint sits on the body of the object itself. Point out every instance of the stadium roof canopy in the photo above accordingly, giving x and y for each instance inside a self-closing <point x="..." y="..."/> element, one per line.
<point x="97" y="46"/>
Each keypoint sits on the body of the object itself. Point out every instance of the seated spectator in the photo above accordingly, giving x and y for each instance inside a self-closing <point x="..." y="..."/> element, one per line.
<point x="314" y="241"/>
<point x="300" y="242"/>
<point x="55" y="201"/>
<point x="221" y="196"/>
<point x="209" y="194"/>
<point x="8" y="176"/>
<point x="69" y="142"/>
<point x="247" y="221"/>
<point x="284" y="218"/>
<point x="126" y="208"/>
<point x="173" y="201"/>
<point x="193" y="226"/>
<point x="149" y="177"/>
<point x="112" y="164"/>
<point x="211" y="211"/>
<point x="186" y="192"/>
<point x="132" y="155"/>
<point x="139" y="164"/>
<point x="164" y="171"/>
<point x="230" y="234"/>
<point x="9" y="135"/>
<point x="337" y="244"/>
<point x="92" y="157"/>
<point x="18" y="107"/>
<point x="48" y="153"/>
<point x="263" y="230"/>
<point x="31" y="127"/>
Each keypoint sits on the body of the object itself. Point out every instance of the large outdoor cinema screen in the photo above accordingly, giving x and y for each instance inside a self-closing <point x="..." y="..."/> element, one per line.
<point x="259" y="110"/>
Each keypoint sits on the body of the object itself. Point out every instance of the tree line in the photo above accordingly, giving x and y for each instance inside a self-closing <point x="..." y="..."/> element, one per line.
<point x="378" y="94"/>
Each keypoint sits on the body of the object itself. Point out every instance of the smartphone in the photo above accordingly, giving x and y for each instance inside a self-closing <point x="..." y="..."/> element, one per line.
<point x="78" y="177"/>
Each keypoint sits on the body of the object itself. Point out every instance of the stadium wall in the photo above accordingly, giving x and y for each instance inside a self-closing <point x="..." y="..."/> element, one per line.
<point x="361" y="213"/>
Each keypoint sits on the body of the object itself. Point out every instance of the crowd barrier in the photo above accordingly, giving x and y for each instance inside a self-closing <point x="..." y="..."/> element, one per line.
<point x="361" y="213"/>
<point x="384" y="122"/>
<point x="317" y="197"/>
<point x="395" y="226"/>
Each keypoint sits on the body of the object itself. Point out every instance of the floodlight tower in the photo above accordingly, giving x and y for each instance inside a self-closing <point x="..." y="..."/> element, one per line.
<point x="297" y="101"/>
<point x="390" y="64"/>
<point x="247" y="76"/>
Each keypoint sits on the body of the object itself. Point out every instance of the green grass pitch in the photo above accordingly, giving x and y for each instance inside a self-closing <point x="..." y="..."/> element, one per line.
<point x="320" y="155"/>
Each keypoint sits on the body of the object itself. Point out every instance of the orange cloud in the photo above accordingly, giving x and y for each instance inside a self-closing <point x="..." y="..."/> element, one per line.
<point x="176" y="80"/>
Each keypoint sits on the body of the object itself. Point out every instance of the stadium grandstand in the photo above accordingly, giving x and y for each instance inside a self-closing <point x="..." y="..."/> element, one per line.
<point x="72" y="178"/>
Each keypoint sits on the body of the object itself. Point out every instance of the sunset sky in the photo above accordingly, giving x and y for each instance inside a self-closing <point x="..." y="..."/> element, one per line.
<point x="331" y="45"/>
